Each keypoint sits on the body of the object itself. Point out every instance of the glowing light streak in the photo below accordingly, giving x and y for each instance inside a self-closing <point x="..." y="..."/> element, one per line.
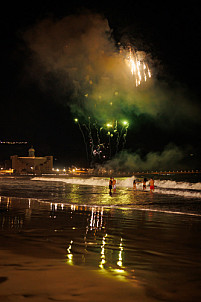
<point x="90" y="135"/>
<point x="104" y="142"/>
<point x="8" y="202"/>
<point x="101" y="223"/>
<point x="98" y="139"/>
<point x="96" y="219"/>
<point x="109" y="125"/>
<point x="138" y="67"/>
<point x="120" y="260"/>
<point x="77" y="121"/>
<point x="102" y="262"/>
<point x="73" y="207"/>
<point x="92" y="218"/>
<point x="69" y="253"/>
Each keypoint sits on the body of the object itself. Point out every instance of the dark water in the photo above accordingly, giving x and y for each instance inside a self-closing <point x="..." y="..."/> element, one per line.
<point x="153" y="239"/>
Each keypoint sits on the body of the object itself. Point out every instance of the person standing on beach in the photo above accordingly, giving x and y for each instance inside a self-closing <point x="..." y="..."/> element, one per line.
<point x="110" y="185"/>
<point x="144" y="184"/>
<point x="151" y="183"/>
<point x="134" y="185"/>
<point x="114" y="185"/>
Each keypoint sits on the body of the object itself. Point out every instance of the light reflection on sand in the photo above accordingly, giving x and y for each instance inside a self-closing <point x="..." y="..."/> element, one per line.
<point x="156" y="251"/>
<point x="95" y="223"/>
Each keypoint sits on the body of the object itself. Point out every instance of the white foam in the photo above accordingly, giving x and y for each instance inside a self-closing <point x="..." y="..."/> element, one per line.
<point x="185" y="189"/>
<point x="178" y="185"/>
<point x="92" y="181"/>
<point x="182" y="193"/>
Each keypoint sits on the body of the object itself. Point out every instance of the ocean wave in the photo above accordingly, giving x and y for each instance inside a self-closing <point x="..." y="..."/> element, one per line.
<point x="92" y="181"/>
<point x="183" y="193"/>
<point x="168" y="187"/>
<point x="122" y="182"/>
<point x="178" y="185"/>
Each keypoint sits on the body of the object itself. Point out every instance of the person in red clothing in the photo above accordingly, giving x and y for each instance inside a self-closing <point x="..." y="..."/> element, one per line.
<point x="151" y="183"/>
<point x="114" y="185"/>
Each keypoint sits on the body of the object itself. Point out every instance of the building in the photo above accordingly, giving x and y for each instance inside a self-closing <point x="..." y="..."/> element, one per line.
<point x="32" y="164"/>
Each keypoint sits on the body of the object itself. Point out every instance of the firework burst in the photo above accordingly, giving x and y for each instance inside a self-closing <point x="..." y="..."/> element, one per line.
<point x="104" y="142"/>
<point x="139" y="68"/>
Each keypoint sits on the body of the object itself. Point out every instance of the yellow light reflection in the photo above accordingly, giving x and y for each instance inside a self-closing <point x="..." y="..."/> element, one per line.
<point x="8" y="202"/>
<point x="102" y="262"/>
<point x="69" y="255"/>
<point x="120" y="260"/>
<point x="96" y="220"/>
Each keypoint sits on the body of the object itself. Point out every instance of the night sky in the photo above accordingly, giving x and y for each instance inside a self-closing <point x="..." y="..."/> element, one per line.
<point x="36" y="104"/>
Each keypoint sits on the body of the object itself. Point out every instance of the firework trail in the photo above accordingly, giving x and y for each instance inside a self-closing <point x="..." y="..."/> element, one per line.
<point x="125" y="134"/>
<point x="117" y="136"/>
<point x="102" y="144"/>
<point x="137" y="65"/>
<point x="85" y="143"/>
<point x="91" y="142"/>
<point x="98" y="139"/>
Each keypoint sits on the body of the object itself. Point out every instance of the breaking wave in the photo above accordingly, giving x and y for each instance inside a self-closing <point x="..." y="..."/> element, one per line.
<point x="181" y="188"/>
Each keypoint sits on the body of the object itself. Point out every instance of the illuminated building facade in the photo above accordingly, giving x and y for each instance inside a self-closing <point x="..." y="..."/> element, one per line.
<point x="32" y="164"/>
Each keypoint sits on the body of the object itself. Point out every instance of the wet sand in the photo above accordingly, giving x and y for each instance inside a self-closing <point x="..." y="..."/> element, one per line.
<point x="26" y="278"/>
<point x="69" y="253"/>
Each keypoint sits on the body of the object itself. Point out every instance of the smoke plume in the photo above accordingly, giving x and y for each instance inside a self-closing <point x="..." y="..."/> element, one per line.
<point x="168" y="159"/>
<point x="79" y="51"/>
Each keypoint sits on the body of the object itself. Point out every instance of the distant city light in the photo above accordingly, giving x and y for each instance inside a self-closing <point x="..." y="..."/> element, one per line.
<point x="13" y="143"/>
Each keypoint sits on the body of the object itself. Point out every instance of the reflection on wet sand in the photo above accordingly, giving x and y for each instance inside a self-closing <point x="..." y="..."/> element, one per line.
<point x="101" y="265"/>
<point x="69" y="254"/>
<point x="10" y="222"/>
<point x="102" y="246"/>
<point x="94" y="234"/>
<point x="145" y="249"/>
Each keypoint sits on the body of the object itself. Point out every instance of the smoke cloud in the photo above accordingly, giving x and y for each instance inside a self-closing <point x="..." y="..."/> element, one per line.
<point x="168" y="159"/>
<point x="79" y="52"/>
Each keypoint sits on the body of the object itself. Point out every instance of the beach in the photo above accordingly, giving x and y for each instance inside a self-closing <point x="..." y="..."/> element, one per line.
<point x="25" y="278"/>
<point x="62" y="251"/>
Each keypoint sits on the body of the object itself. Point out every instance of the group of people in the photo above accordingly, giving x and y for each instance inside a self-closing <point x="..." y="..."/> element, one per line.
<point x="112" y="185"/>
<point x="144" y="184"/>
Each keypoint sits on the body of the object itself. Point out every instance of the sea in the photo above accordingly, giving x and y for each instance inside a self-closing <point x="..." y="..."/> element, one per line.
<point x="140" y="237"/>
<point x="177" y="193"/>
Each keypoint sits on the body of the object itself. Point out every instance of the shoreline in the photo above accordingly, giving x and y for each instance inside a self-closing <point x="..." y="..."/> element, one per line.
<point x="99" y="174"/>
<point x="106" y="207"/>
